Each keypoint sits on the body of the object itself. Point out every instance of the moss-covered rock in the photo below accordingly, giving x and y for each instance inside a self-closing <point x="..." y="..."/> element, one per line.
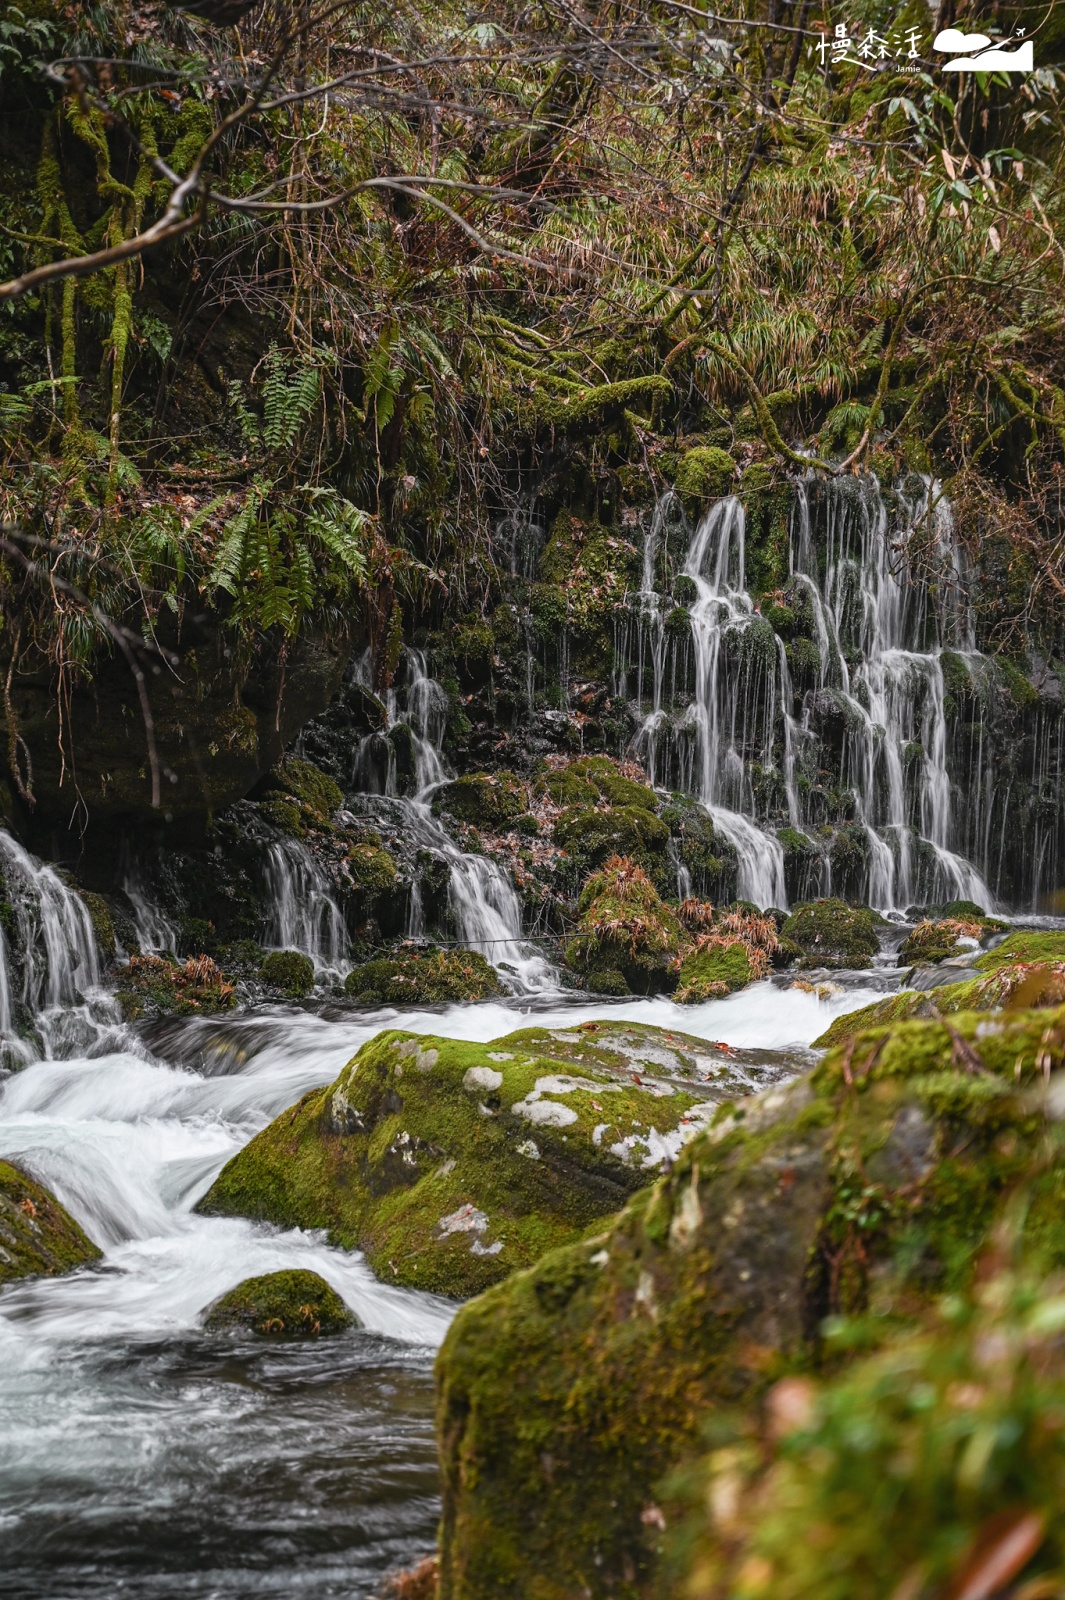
<point x="932" y="941"/>
<point x="423" y="977"/>
<point x="155" y="986"/>
<point x="486" y="799"/>
<point x="294" y="1304"/>
<point x="592" y="777"/>
<point x="289" y="971"/>
<point x="1027" y="985"/>
<point x="38" y="1236"/>
<point x="833" y="934"/>
<point x="566" y="1393"/>
<point x="371" y="869"/>
<point x="1023" y="946"/>
<point x="450" y="1164"/>
<point x="103" y="925"/>
<point x="625" y="927"/>
<point x="590" y="836"/>
<point x="315" y="789"/>
<point x="704" y="473"/>
<point x="712" y="971"/>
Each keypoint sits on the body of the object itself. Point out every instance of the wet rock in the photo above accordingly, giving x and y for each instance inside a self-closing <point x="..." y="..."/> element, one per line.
<point x="871" y="1185"/>
<point x="625" y="927"/>
<point x="292" y="1305"/>
<point x="451" y="1164"/>
<point x="38" y="1236"/>
<point x="418" y="977"/>
<point x="833" y="934"/>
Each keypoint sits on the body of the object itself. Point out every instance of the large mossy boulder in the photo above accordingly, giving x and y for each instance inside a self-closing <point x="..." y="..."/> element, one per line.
<point x="831" y="933"/>
<point x="423" y="977"/>
<point x="625" y="927"/>
<point x="450" y="1164"/>
<point x="38" y="1236"/>
<point x="566" y="1394"/>
<point x="485" y="799"/>
<point x="295" y="1305"/>
<point x="593" y="778"/>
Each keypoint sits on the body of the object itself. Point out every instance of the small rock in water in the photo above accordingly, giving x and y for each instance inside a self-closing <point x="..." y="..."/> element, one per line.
<point x="293" y="1305"/>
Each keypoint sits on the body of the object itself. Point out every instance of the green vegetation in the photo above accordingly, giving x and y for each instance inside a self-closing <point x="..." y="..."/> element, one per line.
<point x="288" y="971"/>
<point x="832" y="934"/>
<point x="451" y="1164"/>
<point x="153" y="986"/>
<point x="487" y="799"/>
<point x="295" y="1304"/>
<point x="423" y="977"/>
<point x="869" y="1187"/>
<point x="625" y="927"/>
<point x="37" y="1235"/>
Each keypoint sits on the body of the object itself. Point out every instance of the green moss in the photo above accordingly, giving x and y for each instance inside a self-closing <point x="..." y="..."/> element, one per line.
<point x="566" y="1393"/>
<point x="1022" y="946"/>
<point x="288" y="971"/>
<point x="1021" y="691"/>
<point x="37" y="1235"/>
<point x="320" y="793"/>
<point x="608" y="981"/>
<point x="450" y="1164"/>
<point x="157" y="986"/>
<point x="930" y="942"/>
<point x="372" y="870"/>
<point x="704" y="473"/>
<point x="592" y="407"/>
<point x="485" y="799"/>
<point x="833" y="934"/>
<point x="625" y="927"/>
<point x="423" y="978"/>
<point x="284" y="813"/>
<point x="103" y="926"/>
<point x="591" y="836"/>
<point x="293" y="1304"/>
<point x="712" y="972"/>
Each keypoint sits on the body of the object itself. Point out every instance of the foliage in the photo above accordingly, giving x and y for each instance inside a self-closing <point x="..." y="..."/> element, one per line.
<point x="423" y="977"/>
<point x="288" y="971"/>
<point x="295" y="1304"/>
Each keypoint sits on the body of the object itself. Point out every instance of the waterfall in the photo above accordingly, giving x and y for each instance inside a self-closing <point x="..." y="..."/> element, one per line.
<point x="482" y="900"/>
<point x="723" y="608"/>
<point x="304" y="914"/>
<point x="153" y="927"/>
<point x="728" y="716"/>
<point x="49" y="963"/>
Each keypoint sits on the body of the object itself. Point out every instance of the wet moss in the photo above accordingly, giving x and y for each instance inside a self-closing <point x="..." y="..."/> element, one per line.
<point x="625" y="927"/>
<point x="288" y="971"/>
<point x="704" y="473"/>
<point x="156" y="986"/>
<point x="1023" y="946"/>
<point x="833" y="934"/>
<point x="103" y="926"/>
<point x="293" y="1305"/>
<point x="313" y="788"/>
<point x="590" y="835"/>
<point x="486" y="799"/>
<point x="712" y="972"/>
<point x="419" y="977"/>
<point x="372" y="870"/>
<point x="567" y="1392"/>
<point x="450" y="1164"/>
<point x="38" y="1236"/>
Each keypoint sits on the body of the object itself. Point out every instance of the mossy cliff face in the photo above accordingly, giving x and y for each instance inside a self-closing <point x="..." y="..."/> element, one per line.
<point x="451" y="1164"/>
<point x="294" y="1305"/>
<point x="568" y="1392"/>
<point x="37" y="1235"/>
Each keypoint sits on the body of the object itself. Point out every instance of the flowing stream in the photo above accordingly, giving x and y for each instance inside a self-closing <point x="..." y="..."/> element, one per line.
<point x="140" y="1455"/>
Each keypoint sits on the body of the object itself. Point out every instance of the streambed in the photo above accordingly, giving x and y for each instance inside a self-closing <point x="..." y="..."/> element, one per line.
<point x="140" y="1456"/>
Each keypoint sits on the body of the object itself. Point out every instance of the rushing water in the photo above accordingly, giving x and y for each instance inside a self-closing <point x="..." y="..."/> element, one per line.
<point x="139" y="1455"/>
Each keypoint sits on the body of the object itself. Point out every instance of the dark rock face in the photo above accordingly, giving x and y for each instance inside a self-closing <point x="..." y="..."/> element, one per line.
<point x="218" y="730"/>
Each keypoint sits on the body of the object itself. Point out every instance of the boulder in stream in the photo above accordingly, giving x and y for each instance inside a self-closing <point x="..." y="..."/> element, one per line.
<point x="38" y="1236"/>
<point x="451" y="1164"/>
<point x="831" y="933"/>
<point x="871" y="1184"/>
<point x="294" y="1304"/>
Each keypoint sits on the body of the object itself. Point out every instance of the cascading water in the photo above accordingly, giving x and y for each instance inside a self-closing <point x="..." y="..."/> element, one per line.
<point x="750" y="742"/>
<point x="304" y="914"/>
<point x="483" y="902"/>
<point x="51" y="999"/>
